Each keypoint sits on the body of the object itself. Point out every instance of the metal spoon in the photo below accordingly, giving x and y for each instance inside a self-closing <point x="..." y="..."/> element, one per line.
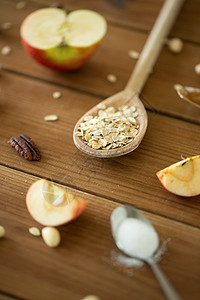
<point x="128" y="211"/>
<point x="130" y="95"/>
<point x="188" y="93"/>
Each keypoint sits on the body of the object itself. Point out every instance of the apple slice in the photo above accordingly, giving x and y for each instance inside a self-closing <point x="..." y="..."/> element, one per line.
<point x="62" y="41"/>
<point x="50" y="205"/>
<point x="183" y="177"/>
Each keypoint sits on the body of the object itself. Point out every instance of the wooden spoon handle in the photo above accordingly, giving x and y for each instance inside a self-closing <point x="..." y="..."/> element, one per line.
<point x="153" y="45"/>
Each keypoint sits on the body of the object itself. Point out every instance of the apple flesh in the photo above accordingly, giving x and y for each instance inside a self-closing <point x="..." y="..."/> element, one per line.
<point x="62" y="41"/>
<point x="183" y="177"/>
<point x="50" y="205"/>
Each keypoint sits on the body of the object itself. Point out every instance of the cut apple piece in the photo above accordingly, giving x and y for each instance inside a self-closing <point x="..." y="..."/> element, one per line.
<point x="183" y="177"/>
<point x="62" y="41"/>
<point x="50" y="205"/>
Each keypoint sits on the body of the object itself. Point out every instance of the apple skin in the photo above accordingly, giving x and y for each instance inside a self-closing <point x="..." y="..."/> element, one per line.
<point x="182" y="178"/>
<point x="61" y="58"/>
<point x="47" y="214"/>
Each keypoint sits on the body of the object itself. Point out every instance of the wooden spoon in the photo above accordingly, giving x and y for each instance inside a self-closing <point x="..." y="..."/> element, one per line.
<point x="136" y="82"/>
<point x="190" y="94"/>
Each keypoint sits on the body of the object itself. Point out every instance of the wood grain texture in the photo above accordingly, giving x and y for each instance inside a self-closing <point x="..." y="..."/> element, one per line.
<point x="111" y="58"/>
<point x="84" y="263"/>
<point x="128" y="179"/>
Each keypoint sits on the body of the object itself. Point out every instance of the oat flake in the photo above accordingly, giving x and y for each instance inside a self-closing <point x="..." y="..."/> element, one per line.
<point x="6" y="50"/>
<point x="133" y="54"/>
<point x="21" y="5"/>
<point x="51" y="118"/>
<point x="6" y="25"/>
<point x="34" y="231"/>
<point x="57" y="95"/>
<point x="112" y="78"/>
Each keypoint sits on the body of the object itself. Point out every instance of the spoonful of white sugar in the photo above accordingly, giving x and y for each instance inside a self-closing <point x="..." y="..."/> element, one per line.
<point x="137" y="238"/>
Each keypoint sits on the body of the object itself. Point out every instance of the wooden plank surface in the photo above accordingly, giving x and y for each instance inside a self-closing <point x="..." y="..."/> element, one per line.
<point x="83" y="264"/>
<point x="170" y="68"/>
<point x="86" y="261"/>
<point x="62" y="162"/>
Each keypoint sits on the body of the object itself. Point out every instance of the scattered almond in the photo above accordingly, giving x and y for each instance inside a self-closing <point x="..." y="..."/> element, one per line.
<point x="56" y="95"/>
<point x="51" y="236"/>
<point x="34" y="231"/>
<point x="6" y="25"/>
<point x="133" y="54"/>
<point x="112" y="78"/>
<point x="5" y="50"/>
<point x="21" y="5"/>
<point x="51" y="118"/>
<point x="2" y="231"/>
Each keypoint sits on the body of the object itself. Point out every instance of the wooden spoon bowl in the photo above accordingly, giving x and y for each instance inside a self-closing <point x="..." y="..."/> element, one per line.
<point x="122" y="98"/>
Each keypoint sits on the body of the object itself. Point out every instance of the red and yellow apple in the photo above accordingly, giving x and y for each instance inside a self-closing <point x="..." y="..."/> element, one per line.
<point x="51" y="205"/>
<point x="62" y="41"/>
<point x="183" y="177"/>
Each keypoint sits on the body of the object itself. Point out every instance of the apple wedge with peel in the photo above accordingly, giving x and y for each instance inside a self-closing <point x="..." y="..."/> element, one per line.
<point x="50" y="205"/>
<point x="183" y="177"/>
<point x="62" y="41"/>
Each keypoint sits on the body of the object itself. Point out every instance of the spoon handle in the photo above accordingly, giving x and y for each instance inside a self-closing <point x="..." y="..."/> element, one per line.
<point x="154" y="45"/>
<point x="168" y="289"/>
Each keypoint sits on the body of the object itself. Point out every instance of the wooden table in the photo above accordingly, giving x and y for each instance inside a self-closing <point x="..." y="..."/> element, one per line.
<point x="83" y="264"/>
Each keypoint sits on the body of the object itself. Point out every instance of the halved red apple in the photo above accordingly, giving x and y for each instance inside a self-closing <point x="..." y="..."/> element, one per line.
<point x="62" y="41"/>
<point x="183" y="177"/>
<point x="51" y="205"/>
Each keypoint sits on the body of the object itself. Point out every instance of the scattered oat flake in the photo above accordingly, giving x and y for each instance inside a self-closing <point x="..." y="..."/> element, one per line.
<point x="21" y="5"/>
<point x="5" y="50"/>
<point x="34" y="231"/>
<point x="6" y="25"/>
<point x="177" y="86"/>
<point x="175" y="45"/>
<point x="2" y="231"/>
<point x="133" y="54"/>
<point x="25" y="180"/>
<point x="112" y="78"/>
<point x="57" y="95"/>
<point x="197" y="69"/>
<point x="51" y="118"/>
